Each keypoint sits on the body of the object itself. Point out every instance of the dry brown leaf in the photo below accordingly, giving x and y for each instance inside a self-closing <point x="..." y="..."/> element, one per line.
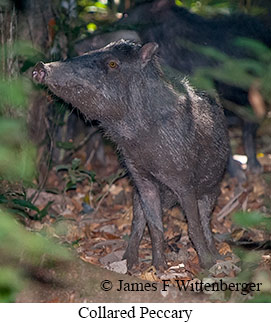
<point x="224" y="248"/>
<point x="150" y="274"/>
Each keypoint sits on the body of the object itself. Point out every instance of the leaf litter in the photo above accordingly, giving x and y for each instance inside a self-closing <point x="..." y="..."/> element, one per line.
<point x="95" y="219"/>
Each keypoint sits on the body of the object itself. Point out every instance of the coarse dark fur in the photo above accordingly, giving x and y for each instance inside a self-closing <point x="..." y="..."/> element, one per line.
<point x="175" y="29"/>
<point x="175" y="145"/>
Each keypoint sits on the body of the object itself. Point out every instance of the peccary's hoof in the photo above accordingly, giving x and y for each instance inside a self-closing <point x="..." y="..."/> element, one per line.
<point x="160" y="264"/>
<point x="208" y="260"/>
<point x="132" y="259"/>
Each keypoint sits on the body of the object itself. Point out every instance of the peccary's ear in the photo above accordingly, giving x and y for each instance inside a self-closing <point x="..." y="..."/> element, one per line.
<point x="147" y="51"/>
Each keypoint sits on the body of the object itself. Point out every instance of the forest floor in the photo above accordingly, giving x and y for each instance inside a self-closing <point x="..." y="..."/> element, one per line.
<point x="95" y="220"/>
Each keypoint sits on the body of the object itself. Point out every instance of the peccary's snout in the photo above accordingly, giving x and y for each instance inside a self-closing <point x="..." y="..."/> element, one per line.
<point x="39" y="72"/>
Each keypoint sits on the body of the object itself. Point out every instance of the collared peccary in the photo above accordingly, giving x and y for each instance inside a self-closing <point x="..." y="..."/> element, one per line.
<point x="174" y="144"/>
<point x="172" y="27"/>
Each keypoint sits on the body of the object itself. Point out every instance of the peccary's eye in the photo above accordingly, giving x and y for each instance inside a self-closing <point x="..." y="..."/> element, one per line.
<point x="112" y="64"/>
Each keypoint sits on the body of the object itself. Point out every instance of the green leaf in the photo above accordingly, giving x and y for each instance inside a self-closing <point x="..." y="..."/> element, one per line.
<point x="14" y="93"/>
<point x="232" y="74"/>
<point x="21" y="213"/>
<point x="251" y="66"/>
<point x="62" y="167"/>
<point x="13" y="236"/>
<point x="76" y="163"/>
<point x="3" y="199"/>
<point x="212" y="53"/>
<point x="91" y="174"/>
<point x="205" y="50"/>
<point x="65" y="145"/>
<point x="44" y="211"/>
<point x="261" y="298"/>
<point x="23" y="49"/>
<point x="25" y="203"/>
<point x="260" y="50"/>
<point x="70" y="186"/>
<point x="17" y="154"/>
<point x="202" y="80"/>
<point x="11" y="282"/>
<point x="252" y="219"/>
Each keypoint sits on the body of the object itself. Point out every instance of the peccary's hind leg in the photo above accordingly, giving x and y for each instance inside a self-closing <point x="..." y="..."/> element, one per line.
<point x="138" y="226"/>
<point x="205" y="206"/>
<point x="249" y="140"/>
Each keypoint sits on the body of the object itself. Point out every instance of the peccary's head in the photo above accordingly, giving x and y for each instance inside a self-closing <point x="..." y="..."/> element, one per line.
<point x="103" y="84"/>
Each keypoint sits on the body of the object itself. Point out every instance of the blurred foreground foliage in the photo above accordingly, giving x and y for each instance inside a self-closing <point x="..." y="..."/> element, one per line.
<point x="211" y="7"/>
<point x="20" y="250"/>
<point x="17" y="154"/>
<point x="252" y="74"/>
<point x="253" y="264"/>
<point x="97" y="13"/>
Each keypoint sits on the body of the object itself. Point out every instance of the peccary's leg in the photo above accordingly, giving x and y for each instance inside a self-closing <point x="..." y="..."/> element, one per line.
<point x="151" y="205"/>
<point x="149" y="196"/>
<point x="138" y="226"/>
<point x="249" y="141"/>
<point x="196" y="230"/>
<point x="157" y="239"/>
<point x="205" y="206"/>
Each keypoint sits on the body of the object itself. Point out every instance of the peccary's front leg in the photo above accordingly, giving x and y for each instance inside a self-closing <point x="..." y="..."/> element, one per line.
<point x="148" y="195"/>
<point x="151" y="204"/>
<point x="138" y="226"/>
